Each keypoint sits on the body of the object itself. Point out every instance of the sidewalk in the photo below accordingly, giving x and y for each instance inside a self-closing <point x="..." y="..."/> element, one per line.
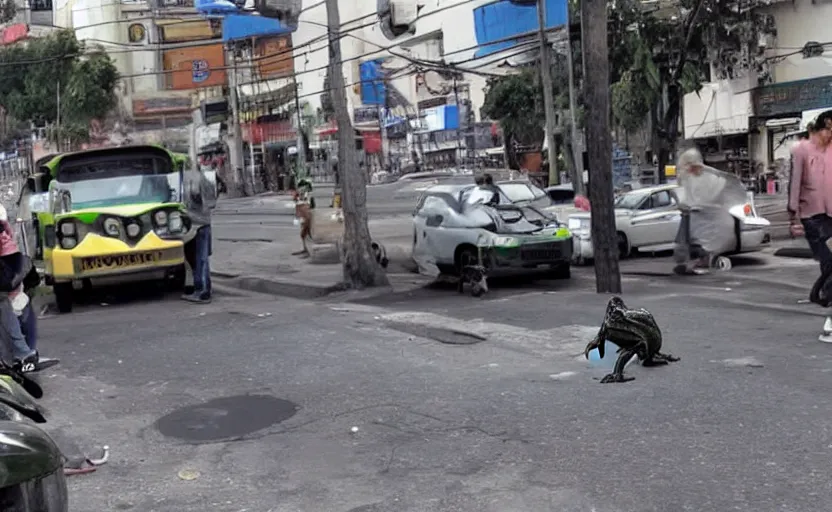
<point x="259" y="258"/>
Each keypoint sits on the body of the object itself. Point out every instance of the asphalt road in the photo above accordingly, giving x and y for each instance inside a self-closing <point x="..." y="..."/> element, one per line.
<point x="399" y="404"/>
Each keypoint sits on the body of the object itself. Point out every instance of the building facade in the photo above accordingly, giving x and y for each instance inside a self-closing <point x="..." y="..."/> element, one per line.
<point x="418" y="92"/>
<point x="746" y="124"/>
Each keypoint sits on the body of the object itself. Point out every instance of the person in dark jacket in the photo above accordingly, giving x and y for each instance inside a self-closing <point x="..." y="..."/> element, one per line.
<point x="200" y="199"/>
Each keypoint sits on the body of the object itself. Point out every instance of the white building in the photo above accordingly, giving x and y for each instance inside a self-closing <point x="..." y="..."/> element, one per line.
<point x="150" y="42"/>
<point x="749" y="124"/>
<point x="444" y="30"/>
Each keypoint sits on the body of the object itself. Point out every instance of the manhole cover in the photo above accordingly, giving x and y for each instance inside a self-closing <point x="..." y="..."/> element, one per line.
<point x="226" y="417"/>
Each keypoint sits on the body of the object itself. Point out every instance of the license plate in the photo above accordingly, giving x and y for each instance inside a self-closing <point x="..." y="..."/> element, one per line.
<point x="120" y="261"/>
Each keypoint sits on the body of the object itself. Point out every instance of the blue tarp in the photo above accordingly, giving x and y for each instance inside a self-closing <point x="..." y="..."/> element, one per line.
<point x="246" y="26"/>
<point x="503" y="19"/>
<point x="372" y="82"/>
<point x="209" y="7"/>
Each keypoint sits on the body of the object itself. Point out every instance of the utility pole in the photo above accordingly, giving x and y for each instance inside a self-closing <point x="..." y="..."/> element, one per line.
<point x="548" y="93"/>
<point x="599" y="145"/>
<point x="460" y="161"/>
<point x="574" y="148"/>
<point x="301" y="150"/>
<point x="360" y="266"/>
<point x="235" y="143"/>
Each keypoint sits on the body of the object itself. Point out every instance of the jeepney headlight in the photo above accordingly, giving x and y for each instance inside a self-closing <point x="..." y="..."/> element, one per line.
<point x="68" y="228"/>
<point x="68" y="242"/>
<point x="111" y="226"/>
<point x="161" y="218"/>
<point x="175" y="222"/>
<point x="133" y="230"/>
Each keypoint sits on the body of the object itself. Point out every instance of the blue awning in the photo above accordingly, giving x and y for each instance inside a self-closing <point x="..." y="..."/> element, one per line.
<point x="246" y="26"/>
<point x="503" y="19"/>
<point x="215" y="7"/>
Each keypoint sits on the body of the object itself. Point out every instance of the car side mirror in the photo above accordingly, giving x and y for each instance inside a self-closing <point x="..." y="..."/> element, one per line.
<point x="434" y="220"/>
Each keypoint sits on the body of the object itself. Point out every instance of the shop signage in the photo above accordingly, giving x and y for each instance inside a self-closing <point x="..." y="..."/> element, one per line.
<point x="275" y="57"/>
<point x="162" y="105"/>
<point x="366" y="115"/>
<point x="432" y="102"/>
<point x="201" y="71"/>
<point x="792" y="98"/>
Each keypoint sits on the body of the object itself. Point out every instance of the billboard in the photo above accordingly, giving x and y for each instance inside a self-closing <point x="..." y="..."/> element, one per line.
<point x="275" y="58"/>
<point x="195" y="66"/>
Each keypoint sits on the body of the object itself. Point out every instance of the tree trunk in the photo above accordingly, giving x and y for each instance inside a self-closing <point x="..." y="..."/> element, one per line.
<point x="360" y="266"/>
<point x="599" y="145"/>
<point x="668" y="132"/>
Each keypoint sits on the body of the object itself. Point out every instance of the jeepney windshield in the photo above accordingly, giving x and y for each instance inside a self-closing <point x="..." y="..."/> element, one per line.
<point x="119" y="183"/>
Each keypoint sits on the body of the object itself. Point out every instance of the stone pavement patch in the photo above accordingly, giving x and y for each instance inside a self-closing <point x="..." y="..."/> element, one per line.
<point x="225" y="418"/>
<point x="566" y="340"/>
<point x="440" y="334"/>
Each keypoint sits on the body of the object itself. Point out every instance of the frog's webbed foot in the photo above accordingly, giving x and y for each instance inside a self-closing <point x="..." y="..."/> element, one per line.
<point x="668" y="358"/>
<point x="654" y="361"/>
<point x="616" y="377"/>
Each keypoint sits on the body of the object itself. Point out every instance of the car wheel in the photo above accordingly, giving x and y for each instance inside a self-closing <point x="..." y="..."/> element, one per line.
<point x="560" y="271"/>
<point x="63" y="296"/>
<point x="624" y="248"/>
<point x="466" y="256"/>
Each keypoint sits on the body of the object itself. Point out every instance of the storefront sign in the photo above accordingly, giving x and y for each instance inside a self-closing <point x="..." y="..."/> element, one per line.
<point x="161" y="106"/>
<point x="275" y="57"/>
<point x="366" y="115"/>
<point x="14" y="33"/>
<point x="792" y="98"/>
<point x="178" y="30"/>
<point x="195" y="66"/>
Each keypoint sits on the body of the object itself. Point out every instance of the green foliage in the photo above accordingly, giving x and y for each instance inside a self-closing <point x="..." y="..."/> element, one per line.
<point x="32" y="74"/>
<point x="8" y="10"/>
<point x="516" y="101"/>
<point x="632" y="99"/>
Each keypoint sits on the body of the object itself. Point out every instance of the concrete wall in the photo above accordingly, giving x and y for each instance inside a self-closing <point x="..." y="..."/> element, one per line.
<point x="799" y="22"/>
<point x="719" y="108"/>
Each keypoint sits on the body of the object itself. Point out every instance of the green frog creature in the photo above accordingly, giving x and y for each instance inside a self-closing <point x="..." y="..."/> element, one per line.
<point x="636" y="333"/>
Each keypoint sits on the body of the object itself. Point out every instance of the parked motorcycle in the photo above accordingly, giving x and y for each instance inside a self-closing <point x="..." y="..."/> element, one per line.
<point x="31" y="464"/>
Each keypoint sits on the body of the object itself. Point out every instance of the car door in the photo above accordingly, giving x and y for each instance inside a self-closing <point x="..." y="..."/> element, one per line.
<point x="655" y="221"/>
<point x="430" y="238"/>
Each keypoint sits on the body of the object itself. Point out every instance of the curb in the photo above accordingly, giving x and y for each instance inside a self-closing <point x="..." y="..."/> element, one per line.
<point x="794" y="252"/>
<point x="282" y="287"/>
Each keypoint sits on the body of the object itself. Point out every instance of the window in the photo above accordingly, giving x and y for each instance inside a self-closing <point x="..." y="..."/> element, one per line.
<point x="561" y="195"/>
<point x="662" y="199"/>
<point x="517" y="192"/>
<point x="41" y="5"/>
<point x="433" y="205"/>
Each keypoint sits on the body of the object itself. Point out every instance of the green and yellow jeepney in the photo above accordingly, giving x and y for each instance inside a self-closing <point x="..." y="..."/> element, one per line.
<point x="110" y="216"/>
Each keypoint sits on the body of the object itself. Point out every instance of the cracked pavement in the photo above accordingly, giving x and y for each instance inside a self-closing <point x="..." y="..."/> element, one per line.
<point x="388" y="420"/>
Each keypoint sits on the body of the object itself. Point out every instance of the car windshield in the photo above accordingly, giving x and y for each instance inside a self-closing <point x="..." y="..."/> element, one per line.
<point x="122" y="190"/>
<point x="517" y="192"/>
<point x="481" y="195"/>
<point x="630" y="200"/>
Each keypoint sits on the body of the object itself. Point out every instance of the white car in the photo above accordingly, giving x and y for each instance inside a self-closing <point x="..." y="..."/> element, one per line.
<point x="648" y="220"/>
<point x="455" y="226"/>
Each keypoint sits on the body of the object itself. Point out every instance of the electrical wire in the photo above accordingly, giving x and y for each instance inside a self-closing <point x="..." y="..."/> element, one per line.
<point x="395" y="74"/>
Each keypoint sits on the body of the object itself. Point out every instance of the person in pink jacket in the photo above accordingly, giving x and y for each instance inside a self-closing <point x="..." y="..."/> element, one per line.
<point x="810" y="205"/>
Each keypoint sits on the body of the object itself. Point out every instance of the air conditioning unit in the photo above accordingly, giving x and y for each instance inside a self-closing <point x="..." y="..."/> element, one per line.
<point x="403" y="12"/>
<point x="287" y="11"/>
